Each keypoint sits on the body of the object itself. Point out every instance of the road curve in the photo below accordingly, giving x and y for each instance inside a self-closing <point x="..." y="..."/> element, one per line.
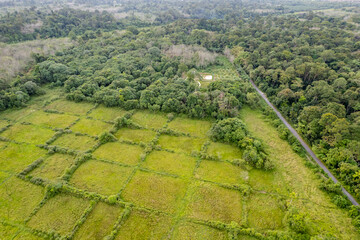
<point x="303" y="143"/>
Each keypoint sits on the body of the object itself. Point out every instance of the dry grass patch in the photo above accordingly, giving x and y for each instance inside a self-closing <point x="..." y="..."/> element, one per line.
<point x="192" y="231"/>
<point x="50" y="119"/>
<point x="149" y="120"/>
<point x="106" y="113"/>
<point x="75" y="142"/>
<point x="15" y="157"/>
<point x="70" y="107"/>
<point x="155" y="191"/>
<point x="197" y="128"/>
<point x="91" y="127"/>
<point x="181" y="144"/>
<point x="18" y="199"/>
<point x="221" y="172"/>
<point x="54" y="166"/>
<point x="145" y="225"/>
<point x="59" y="214"/>
<point x="135" y="135"/>
<point x="174" y="163"/>
<point x="100" y="177"/>
<point x="28" y="133"/>
<point x="211" y="202"/>
<point x="264" y="212"/>
<point x="100" y="222"/>
<point x="224" y="151"/>
<point x="119" y="152"/>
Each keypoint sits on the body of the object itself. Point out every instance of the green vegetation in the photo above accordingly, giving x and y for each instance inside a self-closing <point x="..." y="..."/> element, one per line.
<point x="119" y="152"/>
<point x="89" y="126"/>
<point x="135" y="135"/>
<point x="49" y="119"/>
<point x="28" y="133"/>
<point x="75" y="142"/>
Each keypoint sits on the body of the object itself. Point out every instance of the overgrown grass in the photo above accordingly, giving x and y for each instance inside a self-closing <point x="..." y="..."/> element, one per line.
<point x="155" y="191"/>
<point x="50" y="119"/>
<point x="91" y="127"/>
<point x="119" y="152"/>
<point x="107" y="114"/>
<point x="181" y="144"/>
<point x="75" y="142"/>
<point x="194" y="127"/>
<point x="135" y="135"/>
<point x="59" y="214"/>
<point x="70" y="107"/>
<point x="18" y="199"/>
<point x="224" y="151"/>
<point x="145" y="225"/>
<point x="149" y="119"/>
<point x="221" y="172"/>
<point x="192" y="231"/>
<point x="28" y="133"/>
<point x="100" y="177"/>
<point x="15" y="157"/>
<point x="174" y="163"/>
<point x="100" y="222"/>
<point x="54" y="166"/>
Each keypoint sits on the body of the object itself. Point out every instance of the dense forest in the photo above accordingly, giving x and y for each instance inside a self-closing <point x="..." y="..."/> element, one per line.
<point x="307" y="64"/>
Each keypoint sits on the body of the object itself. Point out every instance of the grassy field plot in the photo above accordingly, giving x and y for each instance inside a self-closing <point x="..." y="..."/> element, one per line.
<point x="224" y="151"/>
<point x="107" y="114"/>
<point x="16" y="114"/>
<point x="181" y="144"/>
<point x="3" y="123"/>
<point x="149" y="120"/>
<point x="174" y="163"/>
<point x="99" y="223"/>
<point x="119" y="152"/>
<point x="100" y="177"/>
<point x="70" y="107"/>
<point x="50" y="119"/>
<point x="26" y="236"/>
<point x="221" y="172"/>
<point x="269" y="181"/>
<point x="192" y="231"/>
<point x="135" y="135"/>
<point x="194" y="127"/>
<point x="144" y="225"/>
<point x="59" y="214"/>
<point x="53" y="166"/>
<point x="91" y="127"/>
<point x="7" y="231"/>
<point x="75" y="142"/>
<point x="211" y="202"/>
<point x="15" y="157"/>
<point x="264" y="212"/>
<point x="28" y="133"/>
<point x="18" y="199"/>
<point x="155" y="191"/>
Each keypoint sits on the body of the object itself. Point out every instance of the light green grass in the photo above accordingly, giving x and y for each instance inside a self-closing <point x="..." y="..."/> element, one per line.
<point x="144" y="225"/>
<point x="72" y="141"/>
<point x="18" y="198"/>
<point x="221" y="172"/>
<point x="50" y="119"/>
<point x="135" y="135"/>
<point x="192" y="231"/>
<point x="181" y="144"/>
<point x="53" y="167"/>
<point x="4" y="176"/>
<point x="100" y="177"/>
<point x="3" y="144"/>
<point x="149" y="120"/>
<point x="7" y="232"/>
<point x="59" y="214"/>
<point x="224" y="151"/>
<point x="91" y="127"/>
<point x="15" y="157"/>
<point x="174" y="163"/>
<point x="16" y="114"/>
<point x="269" y="181"/>
<point x="299" y="180"/>
<point x="99" y="223"/>
<point x="70" y="107"/>
<point x="28" y="133"/>
<point x="155" y="191"/>
<point x="3" y="123"/>
<point x="264" y="212"/>
<point x="26" y="236"/>
<point x="194" y="127"/>
<point x="119" y="152"/>
<point x="211" y="202"/>
<point x="107" y="114"/>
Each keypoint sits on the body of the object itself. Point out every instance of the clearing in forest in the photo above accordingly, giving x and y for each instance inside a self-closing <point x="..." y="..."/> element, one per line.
<point x="146" y="183"/>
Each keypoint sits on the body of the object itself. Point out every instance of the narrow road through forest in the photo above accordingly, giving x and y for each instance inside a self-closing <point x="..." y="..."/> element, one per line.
<point x="303" y="143"/>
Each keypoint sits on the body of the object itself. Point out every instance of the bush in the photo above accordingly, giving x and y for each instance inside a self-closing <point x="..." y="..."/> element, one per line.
<point x="297" y="221"/>
<point x="106" y="137"/>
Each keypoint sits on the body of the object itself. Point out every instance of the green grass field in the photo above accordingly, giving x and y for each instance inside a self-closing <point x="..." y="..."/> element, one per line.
<point x="131" y="189"/>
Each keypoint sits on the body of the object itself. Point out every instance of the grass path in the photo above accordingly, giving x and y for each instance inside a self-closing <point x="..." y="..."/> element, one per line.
<point x="300" y="180"/>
